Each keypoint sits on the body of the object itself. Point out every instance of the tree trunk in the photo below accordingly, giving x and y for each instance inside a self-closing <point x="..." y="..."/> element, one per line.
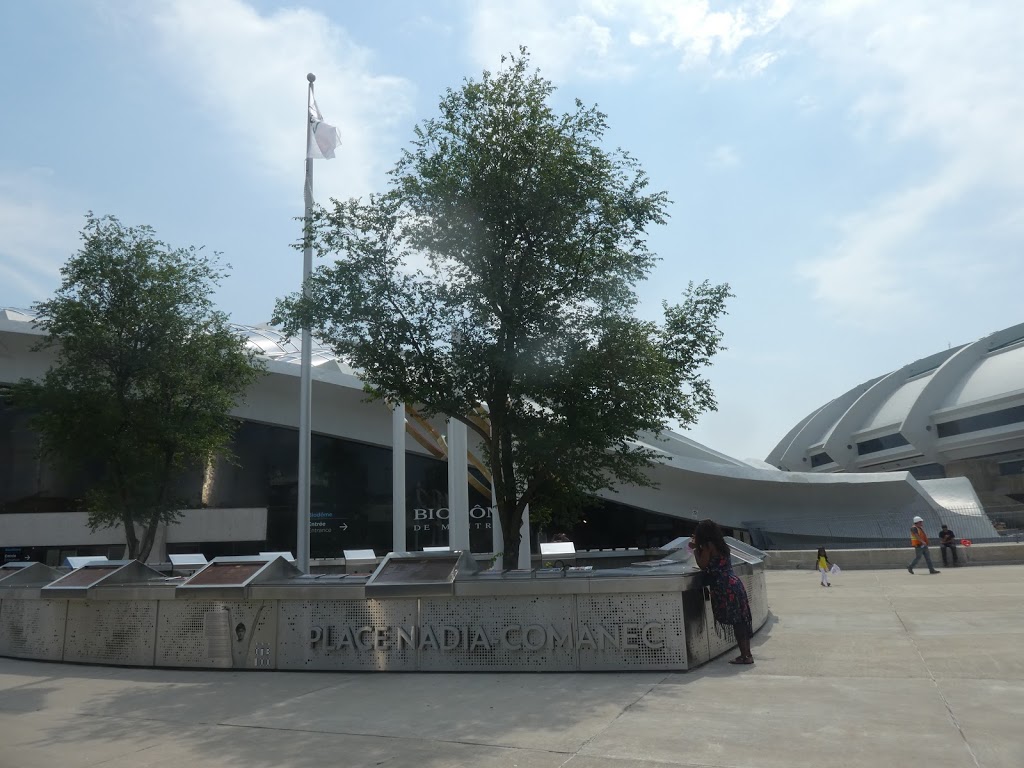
<point x="131" y="539"/>
<point x="148" y="538"/>
<point x="511" y="525"/>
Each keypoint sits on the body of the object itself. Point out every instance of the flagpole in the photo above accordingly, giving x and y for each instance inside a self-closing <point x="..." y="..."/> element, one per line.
<point x="305" y="395"/>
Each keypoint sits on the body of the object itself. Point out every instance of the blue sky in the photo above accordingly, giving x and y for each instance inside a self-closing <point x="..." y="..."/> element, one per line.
<point x="853" y="168"/>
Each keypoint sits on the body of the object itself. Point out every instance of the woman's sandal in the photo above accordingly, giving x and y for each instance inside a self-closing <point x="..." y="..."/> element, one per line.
<point x="743" y="660"/>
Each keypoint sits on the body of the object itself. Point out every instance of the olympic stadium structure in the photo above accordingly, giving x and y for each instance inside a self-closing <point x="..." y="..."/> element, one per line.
<point x="956" y="414"/>
<point x="361" y="450"/>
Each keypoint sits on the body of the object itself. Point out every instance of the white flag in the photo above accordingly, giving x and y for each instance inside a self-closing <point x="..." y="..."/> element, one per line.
<point x="325" y="137"/>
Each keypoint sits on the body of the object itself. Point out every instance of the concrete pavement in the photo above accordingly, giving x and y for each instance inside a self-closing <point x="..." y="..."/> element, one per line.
<point x="883" y="669"/>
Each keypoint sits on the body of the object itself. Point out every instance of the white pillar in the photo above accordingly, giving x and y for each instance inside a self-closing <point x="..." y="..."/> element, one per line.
<point x="458" y="486"/>
<point x="398" y="511"/>
<point x="524" y="541"/>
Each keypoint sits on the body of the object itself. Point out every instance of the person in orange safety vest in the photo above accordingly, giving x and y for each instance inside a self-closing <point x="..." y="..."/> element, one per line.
<point x="919" y="541"/>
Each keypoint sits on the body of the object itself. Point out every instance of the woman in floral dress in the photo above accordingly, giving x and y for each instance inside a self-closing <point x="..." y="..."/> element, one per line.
<point x="729" y="601"/>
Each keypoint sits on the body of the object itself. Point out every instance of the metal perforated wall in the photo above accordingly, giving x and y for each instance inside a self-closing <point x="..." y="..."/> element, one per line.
<point x="550" y="632"/>
<point x="33" y="629"/>
<point x="524" y="633"/>
<point x="640" y="630"/>
<point x="696" y="628"/>
<point x="757" y="594"/>
<point x="121" y="632"/>
<point x="345" y="634"/>
<point x="721" y="638"/>
<point x="217" y="633"/>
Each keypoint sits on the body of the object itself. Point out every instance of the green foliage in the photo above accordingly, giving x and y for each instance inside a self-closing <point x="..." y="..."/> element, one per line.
<point x="531" y="238"/>
<point x="146" y="371"/>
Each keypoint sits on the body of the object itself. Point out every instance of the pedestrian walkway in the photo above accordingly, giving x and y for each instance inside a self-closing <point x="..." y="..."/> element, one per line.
<point x="882" y="669"/>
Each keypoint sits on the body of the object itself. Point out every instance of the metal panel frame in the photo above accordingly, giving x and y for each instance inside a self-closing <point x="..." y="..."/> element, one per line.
<point x="27" y="574"/>
<point x="274" y="569"/>
<point x="610" y="621"/>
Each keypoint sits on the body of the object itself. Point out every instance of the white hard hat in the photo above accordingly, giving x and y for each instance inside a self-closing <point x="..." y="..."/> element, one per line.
<point x="918" y="519"/>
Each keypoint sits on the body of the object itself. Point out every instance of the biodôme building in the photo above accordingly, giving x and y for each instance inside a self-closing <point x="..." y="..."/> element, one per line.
<point x="250" y="505"/>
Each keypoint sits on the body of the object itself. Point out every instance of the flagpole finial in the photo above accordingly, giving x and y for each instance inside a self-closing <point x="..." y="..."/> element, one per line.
<point x="311" y="77"/>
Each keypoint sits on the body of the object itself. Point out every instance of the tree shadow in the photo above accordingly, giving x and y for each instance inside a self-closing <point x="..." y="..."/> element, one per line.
<point x="302" y="719"/>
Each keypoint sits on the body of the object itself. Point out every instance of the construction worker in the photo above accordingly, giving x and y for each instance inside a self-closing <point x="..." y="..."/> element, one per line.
<point x="919" y="541"/>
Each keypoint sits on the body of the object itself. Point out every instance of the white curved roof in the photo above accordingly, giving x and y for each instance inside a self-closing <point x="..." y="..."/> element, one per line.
<point x="896" y="406"/>
<point x="995" y="375"/>
<point x="925" y="412"/>
<point x="271" y="344"/>
<point x="268" y="342"/>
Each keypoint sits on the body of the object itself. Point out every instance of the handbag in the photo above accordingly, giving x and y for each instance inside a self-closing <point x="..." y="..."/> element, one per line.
<point x="835" y="569"/>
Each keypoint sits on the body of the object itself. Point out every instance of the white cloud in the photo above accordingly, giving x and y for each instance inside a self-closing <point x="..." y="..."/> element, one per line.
<point x="941" y="76"/>
<point x="724" y="157"/>
<point x="600" y="38"/>
<point x="870" y="278"/>
<point x="36" y="238"/>
<point x="249" y="70"/>
<point x="702" y="35"/>
<point x="563" y="39"/>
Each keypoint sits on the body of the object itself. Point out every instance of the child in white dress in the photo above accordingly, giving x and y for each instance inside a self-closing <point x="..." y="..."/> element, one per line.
<point x="823" y="565"/>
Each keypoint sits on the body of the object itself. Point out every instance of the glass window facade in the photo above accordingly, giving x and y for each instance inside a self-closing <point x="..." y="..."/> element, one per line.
<point x="1007" y="468"/>
<point x="821" y="459"/>
<point x="351" y="497"/>
<point x="1001" y="418"/>
<point x="27" y="483"/>
<point x="928" y="472"/>
<point x="883" y="443"/>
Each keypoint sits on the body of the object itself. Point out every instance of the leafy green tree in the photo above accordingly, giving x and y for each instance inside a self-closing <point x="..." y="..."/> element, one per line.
<point x="146" y="372"/>
<point x="531" y="238"/>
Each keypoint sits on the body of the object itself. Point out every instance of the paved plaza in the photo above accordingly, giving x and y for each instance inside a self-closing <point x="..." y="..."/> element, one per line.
<point x="883" y="669"/>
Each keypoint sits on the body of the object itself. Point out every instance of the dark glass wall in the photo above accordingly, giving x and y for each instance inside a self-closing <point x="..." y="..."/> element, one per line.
<point x="28" y="484"/>
<point x="351" y="498"/>
<point x="611" y="525"/>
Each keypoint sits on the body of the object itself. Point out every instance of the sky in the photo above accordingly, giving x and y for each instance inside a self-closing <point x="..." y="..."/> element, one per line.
<point x="854" y="169"/>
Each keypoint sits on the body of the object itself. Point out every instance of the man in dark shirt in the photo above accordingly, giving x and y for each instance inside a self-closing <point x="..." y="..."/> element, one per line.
<point x="947" y="540"/>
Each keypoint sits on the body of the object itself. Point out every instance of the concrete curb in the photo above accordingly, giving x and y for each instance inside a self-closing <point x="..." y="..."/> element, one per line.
<point x="897" y="557"/>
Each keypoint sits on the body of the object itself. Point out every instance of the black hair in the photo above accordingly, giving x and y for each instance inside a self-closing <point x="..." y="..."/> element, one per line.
<point x="708" y="532"/>
<point x="822" y="553"/>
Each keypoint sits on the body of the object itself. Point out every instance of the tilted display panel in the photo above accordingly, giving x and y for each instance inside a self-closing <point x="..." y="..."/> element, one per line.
<point x="121" y="632"/>
<point x="528" y="633"/>
<point x="239" y="634"/>
<point x="347" y="634"/>
<point x="639" y="630"/>
<point x="32" y="629"/>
